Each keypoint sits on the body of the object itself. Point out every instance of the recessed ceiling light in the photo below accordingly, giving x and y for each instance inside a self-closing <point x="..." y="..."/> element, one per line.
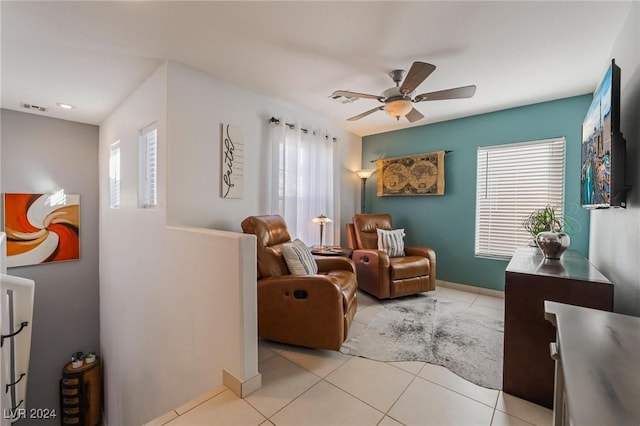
<point x="65" y="106"/>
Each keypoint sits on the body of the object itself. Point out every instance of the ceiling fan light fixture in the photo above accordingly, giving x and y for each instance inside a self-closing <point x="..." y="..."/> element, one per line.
<point x="398" y="100"/>
<point x="398" y="108"/>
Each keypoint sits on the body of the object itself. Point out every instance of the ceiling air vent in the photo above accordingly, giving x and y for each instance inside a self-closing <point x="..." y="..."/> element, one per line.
<point x="33" y="107"/>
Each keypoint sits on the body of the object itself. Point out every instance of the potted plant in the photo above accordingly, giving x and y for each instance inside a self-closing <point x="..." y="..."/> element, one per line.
<point x="543" y="220"/>
<point x="90" y="357"/>
<point x="548" y="229"/>
<point x="76" y="360"/>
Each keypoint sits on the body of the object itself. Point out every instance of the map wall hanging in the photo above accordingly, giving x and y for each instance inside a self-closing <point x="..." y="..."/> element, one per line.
<point x="41" y="228"/>
<point x="421" y="174"/>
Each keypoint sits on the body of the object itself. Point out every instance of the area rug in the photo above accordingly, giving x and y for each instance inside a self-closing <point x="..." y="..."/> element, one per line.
<point x="461" y="338"/>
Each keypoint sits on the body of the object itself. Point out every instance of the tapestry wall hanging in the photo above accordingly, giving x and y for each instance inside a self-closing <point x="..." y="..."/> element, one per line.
<point x="42" y="228"/>
<point x="232" y="162"/>
<point x="421" y="174"/>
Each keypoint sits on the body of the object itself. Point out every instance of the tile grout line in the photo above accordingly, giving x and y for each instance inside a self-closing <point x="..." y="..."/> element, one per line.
<point x="398" y="398"/>
<point x="461" y="394"/>
<point x="352" y="395"/>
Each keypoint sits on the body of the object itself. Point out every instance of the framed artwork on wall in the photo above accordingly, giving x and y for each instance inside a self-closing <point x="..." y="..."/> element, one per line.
<point x="41" y="228"/>
<point x="231" y="162"/>
<point x="421" y="174"/>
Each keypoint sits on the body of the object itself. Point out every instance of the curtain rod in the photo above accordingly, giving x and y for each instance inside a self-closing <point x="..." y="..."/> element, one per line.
<point x="445" y="153"/>
<point x="292" y="126"/>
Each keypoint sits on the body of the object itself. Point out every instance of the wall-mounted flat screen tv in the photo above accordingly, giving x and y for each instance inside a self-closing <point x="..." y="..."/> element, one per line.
<point x="603" y="147"/>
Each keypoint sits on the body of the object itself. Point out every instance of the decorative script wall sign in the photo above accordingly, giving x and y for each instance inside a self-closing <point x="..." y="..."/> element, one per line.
<point x="421" y="174"/>
<point x="232" y="162"/>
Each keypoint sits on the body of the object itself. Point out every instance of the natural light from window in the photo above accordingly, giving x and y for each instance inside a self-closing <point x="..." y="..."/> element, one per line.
<point x="513" y="180"/>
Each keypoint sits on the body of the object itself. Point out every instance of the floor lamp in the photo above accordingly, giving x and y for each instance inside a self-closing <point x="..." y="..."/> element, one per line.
<point x="364" y="174"/>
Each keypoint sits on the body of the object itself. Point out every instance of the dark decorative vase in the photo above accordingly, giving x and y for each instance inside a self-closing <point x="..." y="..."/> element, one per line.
<point x="552" y="244"/>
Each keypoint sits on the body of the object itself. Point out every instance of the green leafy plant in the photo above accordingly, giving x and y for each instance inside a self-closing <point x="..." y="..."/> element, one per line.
<point x="545" y="219"/>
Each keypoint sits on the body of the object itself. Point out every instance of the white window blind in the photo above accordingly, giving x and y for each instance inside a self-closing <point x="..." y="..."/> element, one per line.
<point x="148" y="166"/>
<point x="114" y="175"/>
<point x="514" y="180"/>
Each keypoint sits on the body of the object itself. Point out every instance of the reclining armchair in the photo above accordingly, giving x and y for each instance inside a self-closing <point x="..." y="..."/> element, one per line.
<point x="384" y="276"/>
<point x="312" y="310"/>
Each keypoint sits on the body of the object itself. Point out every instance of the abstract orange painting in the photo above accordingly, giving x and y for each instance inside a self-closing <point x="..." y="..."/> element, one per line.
<point x="41" y="228"/>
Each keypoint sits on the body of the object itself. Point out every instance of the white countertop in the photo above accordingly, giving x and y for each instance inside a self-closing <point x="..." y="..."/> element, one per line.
<point x="600" y="355"/>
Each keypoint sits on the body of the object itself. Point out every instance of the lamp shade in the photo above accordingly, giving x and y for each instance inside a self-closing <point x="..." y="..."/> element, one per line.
<point x="365" y="173"/>
<point x="321" y="219"/>
<point x="398" y="108"/>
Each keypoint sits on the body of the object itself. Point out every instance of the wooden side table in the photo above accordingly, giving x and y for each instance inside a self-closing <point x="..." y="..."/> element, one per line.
<point x="331" y="251"/>
<point x="81" y="394"/>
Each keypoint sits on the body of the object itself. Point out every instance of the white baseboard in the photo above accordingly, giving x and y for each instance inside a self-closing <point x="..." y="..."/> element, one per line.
<point x="239" y="387"/>
<point x="470" y="288"/>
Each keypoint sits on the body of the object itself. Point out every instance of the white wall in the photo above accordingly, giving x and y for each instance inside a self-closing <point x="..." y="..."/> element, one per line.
<point x="614" y="243"/>
<point x="178" y="302"/>
<point x="197" y="105"/>
<point x="171" y="299"/>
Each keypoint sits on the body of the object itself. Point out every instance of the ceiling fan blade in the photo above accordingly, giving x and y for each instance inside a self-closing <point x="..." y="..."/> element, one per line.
<point x="417" y="74"/>
<point x="348" y="94"/>
<point x="457" y="93"/>
<point x="364" y="114"/>
<point x="414" y="115"/>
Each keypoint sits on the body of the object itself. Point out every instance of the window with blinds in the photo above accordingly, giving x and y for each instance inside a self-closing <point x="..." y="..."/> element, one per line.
<point x="514" y="180"/>
<point x="114" y="175"/>
<point x="148" y="167"/>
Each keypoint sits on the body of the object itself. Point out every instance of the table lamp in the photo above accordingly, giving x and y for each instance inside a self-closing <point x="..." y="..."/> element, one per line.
<point x="322" y="219"/>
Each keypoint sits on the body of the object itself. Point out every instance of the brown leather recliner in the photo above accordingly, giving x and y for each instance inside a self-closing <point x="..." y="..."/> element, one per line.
<point x="307" y="310"/>
<point x="383" y="276"/>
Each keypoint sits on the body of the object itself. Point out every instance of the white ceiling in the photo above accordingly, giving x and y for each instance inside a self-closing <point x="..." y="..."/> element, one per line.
<point x="93" y="54"/>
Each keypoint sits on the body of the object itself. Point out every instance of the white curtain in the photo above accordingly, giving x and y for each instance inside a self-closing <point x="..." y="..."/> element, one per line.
<point x="302" y="180"/>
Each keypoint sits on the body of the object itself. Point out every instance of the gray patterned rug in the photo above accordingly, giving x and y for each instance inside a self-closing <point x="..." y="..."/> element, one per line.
<point x="463" y="339"/>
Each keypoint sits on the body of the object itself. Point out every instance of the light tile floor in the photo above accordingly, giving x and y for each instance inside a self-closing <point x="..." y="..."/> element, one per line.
<point x="315" y="387"/>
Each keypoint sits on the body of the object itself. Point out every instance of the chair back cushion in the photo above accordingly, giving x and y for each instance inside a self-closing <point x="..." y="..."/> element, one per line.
<point x="271" y="232"/>
<point x="366" y="229"/>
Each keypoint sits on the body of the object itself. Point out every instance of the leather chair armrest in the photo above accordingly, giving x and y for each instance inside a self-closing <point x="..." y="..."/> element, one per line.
<point x="318" y="283"/>
<point x="305" y="310"/>
<point x="421" y="251"/>
<point x="377" y="257"/>
<point x="336" y="263"/>
<point x="429" y="254"/>
<point x="373" y="271"/>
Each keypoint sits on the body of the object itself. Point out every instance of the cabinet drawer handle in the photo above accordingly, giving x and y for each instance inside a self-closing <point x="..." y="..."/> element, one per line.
<point x="70" y="381"/>
<point x="555" y="353"/>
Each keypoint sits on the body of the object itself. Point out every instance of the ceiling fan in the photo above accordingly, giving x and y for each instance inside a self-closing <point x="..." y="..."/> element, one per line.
<point x="398" y="100"/>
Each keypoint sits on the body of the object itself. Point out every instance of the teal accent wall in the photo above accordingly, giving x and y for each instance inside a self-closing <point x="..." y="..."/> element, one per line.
<point x="447" y="223"/>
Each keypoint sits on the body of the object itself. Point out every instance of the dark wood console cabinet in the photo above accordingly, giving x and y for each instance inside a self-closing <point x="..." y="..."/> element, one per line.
<point x="528" y="370"/>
